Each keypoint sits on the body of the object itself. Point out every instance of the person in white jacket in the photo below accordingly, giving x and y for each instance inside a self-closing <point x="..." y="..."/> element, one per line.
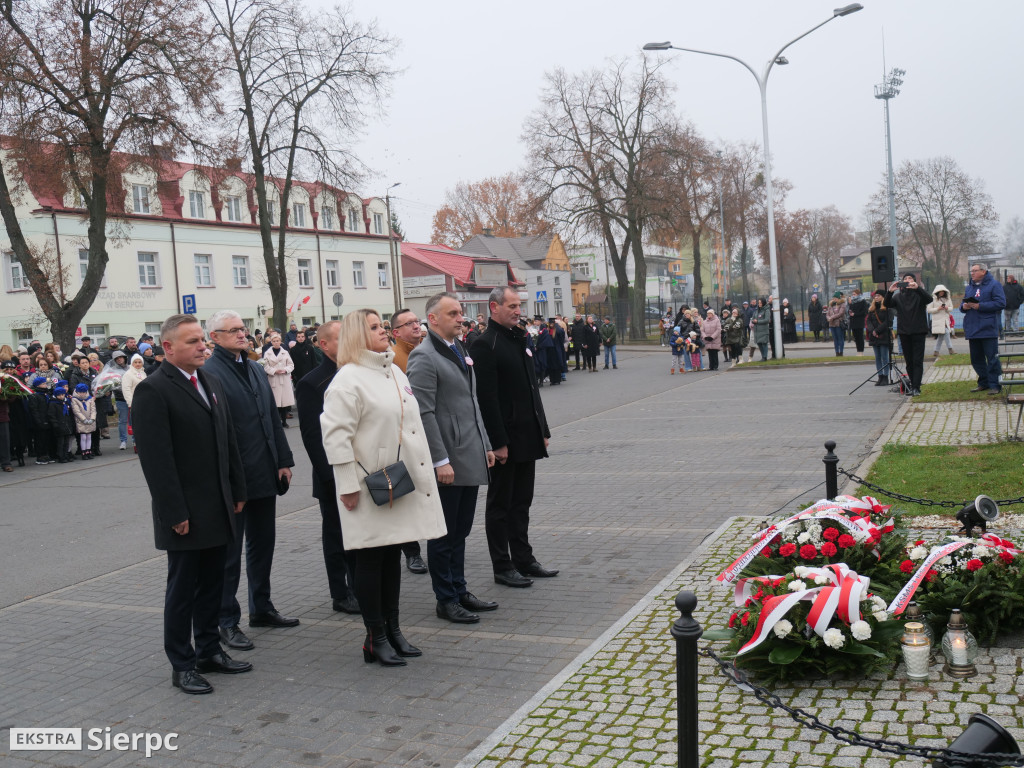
<point x="371" y="420"/>
<point x="941" y="312"/>
<point x="278" y="365"/>
<point x="130" y="379"/>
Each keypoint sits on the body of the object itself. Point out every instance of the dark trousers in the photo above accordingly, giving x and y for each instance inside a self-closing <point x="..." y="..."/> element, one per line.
<point x="378" y="581"/>
<point x="507" y="519"/>
<point x="5" y="444"/>
<point x="576" y="350"/>
<point x="913" y="354"/>
<point x="336" y="560"/>
<point x="258" y="522"/>
<point x="858" y="338"/>
<point x="713" y="359"/>
<point x="411" y="549"/>
<point x="446" y="557"/>
<point x="195" y="580"/>
<point x="985" y="360"/>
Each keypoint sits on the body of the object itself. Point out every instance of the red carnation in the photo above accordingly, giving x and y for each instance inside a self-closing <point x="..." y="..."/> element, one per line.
<point x="830" y="534"/>
<point x="787" y="549"/>
<point x="808" y="552"/>
<point x="745" y="618"/>
<point x="732" y="620"/>
<point x="759" y="594"/>
<point x="907" y="566"/>
<point x="919" y="542"/>
<point x="974" y="565"/>
<point x="828" y="549"/>
<point x="846" y="541"/>
<point x="778" y="581"/>
<point x="931" y="574"/>
<point x="1006" y="557"/>
<point x="776" y="538"/>
<point x="767" y="552"/>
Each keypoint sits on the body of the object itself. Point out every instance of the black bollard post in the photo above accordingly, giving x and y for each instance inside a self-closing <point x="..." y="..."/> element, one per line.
<point x="831" y="462"/>
<point x="687" y="632"/>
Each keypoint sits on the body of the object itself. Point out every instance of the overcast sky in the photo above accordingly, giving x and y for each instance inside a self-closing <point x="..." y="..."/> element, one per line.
<point x="473" y="72"/>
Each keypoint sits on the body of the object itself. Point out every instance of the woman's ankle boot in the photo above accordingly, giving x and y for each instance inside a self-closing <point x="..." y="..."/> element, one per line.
<point x="377" y="648"/>
<point x="397" y="639"/>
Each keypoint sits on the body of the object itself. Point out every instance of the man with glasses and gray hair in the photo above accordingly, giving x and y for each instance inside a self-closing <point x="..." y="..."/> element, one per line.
<point x="982" y="304"/>
<point x="266" y="459"/>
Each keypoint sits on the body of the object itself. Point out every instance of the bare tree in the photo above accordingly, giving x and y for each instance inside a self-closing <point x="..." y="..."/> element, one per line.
<point x="796" y="268"/>
<point x="305" y="81"/>
<point x="745" y="195"/>
<point x="828" y="232"/>
<point x="1012" y="243"/>
<point x="594" y="149"/>
<point x="501" y="203"/>
<point x="943" y="216"/>
<point x="81" y="81"/>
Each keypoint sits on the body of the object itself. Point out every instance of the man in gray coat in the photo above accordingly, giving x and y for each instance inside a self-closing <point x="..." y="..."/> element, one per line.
<point x="443" y="379"/>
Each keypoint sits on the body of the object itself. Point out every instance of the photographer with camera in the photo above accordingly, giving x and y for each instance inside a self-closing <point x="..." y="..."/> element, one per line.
<point x="983" y="303"/>
<point x="909" y="300"/>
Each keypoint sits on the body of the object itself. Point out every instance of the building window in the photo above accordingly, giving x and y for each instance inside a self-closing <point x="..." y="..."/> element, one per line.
<point x="298" y="215"/>
<point x="140" y="198"/>
<point x="197" y="204"/>
<point x="540" y="279"/>
<point x="83" y="265"/>
<point x="270" y="211"/>
<point x="233" y="206"/>
<point x="357" y="274"/>
<point x="153" y="329"/>
<point x="99" y="331"/>
<point x="240" y="271"/>
<point x="16" y="280"/>
<point x="326" y="218"/>
<point x="557" y="280"/>
<point x="378" y="223"/>
<point x="558" y="307"/>
<point x="148" y="270"/>
<point x="204" y="270"/>
<point x="332" y="273"/>
<point x="305" y="273"/>
<point x="382" y="274"/>
<point x="353" y="220"/>
<point x="307" y="322"/>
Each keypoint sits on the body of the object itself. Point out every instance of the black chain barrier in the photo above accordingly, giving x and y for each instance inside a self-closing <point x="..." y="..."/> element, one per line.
<point x="922" y="502"/>
<point x="947" y="756"/>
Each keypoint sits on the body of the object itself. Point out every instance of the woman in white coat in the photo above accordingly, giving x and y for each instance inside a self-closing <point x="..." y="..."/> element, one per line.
<point x="941" y="311"/>
<point x="279" y="366"/>
<point x="370" y="420"/>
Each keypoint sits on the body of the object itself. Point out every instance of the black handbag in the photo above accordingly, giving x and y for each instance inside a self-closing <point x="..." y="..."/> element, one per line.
<point x="392" y="482"/>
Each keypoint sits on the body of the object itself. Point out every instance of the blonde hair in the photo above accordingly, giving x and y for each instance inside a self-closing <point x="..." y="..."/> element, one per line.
<point x="354" y="335"/>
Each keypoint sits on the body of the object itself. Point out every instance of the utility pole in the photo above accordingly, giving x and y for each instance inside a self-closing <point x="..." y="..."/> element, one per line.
<point x="889" y="89"/>
<point x="394" y="252"/>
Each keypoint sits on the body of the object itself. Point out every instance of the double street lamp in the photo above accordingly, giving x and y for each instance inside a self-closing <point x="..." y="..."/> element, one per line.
<point x="762" y="83"/>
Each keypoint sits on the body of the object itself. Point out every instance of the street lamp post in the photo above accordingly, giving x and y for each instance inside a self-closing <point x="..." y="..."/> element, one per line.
<point x="721" y="215"/>
<point x="890" y="89"/>
<point x="396" y="278"/>
<point x="762" y="84"/>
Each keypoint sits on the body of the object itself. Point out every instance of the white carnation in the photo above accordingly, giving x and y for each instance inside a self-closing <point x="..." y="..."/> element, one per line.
<point x="782" y="628"/>
<point x="947" y="560"/>
<point x="797" y="586"/>
<point x="814" y="529"/>
<point x="803" y="538"/>
<point x="980" y="552"/>
<point x="880" y="616"/>
<point x="879" y="603"/>
<point x="918" y="553"/>
<point x="860" y="630"/>
<point x="800" y="571"/>
<point x="833" y="638"/>
<point x="822" y="580"/>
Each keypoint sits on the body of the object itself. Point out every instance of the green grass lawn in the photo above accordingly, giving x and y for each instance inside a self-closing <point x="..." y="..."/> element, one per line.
<point x="953" y="392"/>
<point x="958" y="359"/>
<point x="948" y="473"/>
<point x="815" y="360"/>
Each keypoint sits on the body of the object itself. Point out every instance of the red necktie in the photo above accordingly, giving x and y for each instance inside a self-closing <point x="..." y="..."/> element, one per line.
<point x="195" y="382"/>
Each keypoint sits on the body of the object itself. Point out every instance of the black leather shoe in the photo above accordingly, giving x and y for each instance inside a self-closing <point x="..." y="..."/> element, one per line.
<point x="221" y="662"/>
<point x="190" y="681"/>
<point x="456" y="614"/>
<point x="980" y="389"/>
<point x="235" y="638"/>
<point x="346" y="605"/>
<point x="471" y="602"/>
<point x="512" y="578"/>
<point x="416" y="564"/>
<point x="538" y="571"/>
<point x="272" y="619"/>
<point x="995" y="391"/>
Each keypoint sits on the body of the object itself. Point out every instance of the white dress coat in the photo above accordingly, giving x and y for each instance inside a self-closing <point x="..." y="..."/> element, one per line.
<point x="280" y="383"/>
<point x="362" y="412"/>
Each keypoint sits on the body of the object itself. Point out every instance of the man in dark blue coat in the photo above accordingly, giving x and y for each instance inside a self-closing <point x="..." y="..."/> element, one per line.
<point x="309" y="397"/>
<point x="187" y="450"/>
<point x="518" y="432"/>
<point x="983" y="301"/>
<point x="266" y="459"/>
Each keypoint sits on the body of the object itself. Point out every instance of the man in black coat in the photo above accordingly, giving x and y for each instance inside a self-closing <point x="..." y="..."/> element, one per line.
<point x="518" y="432"/>
<point x="309" y="398"/>
<point x="909" y="300"/>
<point x="577" y="333"/>
<point x="266" y="459"/>
<point x="1014" y="293"/>
<point x="187" y="450"/>
<point x="303" y="356"/>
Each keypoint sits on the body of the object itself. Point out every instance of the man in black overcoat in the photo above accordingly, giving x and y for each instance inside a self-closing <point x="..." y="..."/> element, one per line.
<point x="309" y="397"/>
<point x="518" y="432"/>
<point x="188" y="454"/>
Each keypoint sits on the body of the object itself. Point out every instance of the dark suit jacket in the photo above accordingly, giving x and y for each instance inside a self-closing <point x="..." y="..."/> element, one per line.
<point x="506" y="388"/>
<point x="309" y="400"/>
<point x="189" y="457"/>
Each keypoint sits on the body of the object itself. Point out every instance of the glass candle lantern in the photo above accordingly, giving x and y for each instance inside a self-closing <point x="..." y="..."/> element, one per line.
<point x="914" y="613"/>
<point x="959" y="647"/>
<point x="917" y="650"/>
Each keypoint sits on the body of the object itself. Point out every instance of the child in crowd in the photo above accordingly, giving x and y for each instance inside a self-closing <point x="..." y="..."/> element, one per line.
<point x="62" y="425"/>
<point x="42" y="434"/>
<point x="83" y="405"/>
<point x="677" y="345"/>
<point x="693" y="345"/>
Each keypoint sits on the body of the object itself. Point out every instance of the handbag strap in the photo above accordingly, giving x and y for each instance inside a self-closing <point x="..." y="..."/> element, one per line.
<point x="401" y="426"/>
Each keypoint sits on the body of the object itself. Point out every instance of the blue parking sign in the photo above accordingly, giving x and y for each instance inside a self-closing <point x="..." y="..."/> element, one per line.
<point x="188" y="304"/>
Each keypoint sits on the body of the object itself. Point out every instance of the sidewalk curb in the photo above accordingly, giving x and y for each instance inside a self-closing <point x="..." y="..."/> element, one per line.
<point x="498" y="734"/>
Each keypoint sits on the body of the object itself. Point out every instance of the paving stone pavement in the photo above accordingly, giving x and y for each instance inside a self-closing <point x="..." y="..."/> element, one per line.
<point x="627" y="495"/>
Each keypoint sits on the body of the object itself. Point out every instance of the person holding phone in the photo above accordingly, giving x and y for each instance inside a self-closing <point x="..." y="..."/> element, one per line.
<point x="983" y="301"/>
<point x="909" y="301"/>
